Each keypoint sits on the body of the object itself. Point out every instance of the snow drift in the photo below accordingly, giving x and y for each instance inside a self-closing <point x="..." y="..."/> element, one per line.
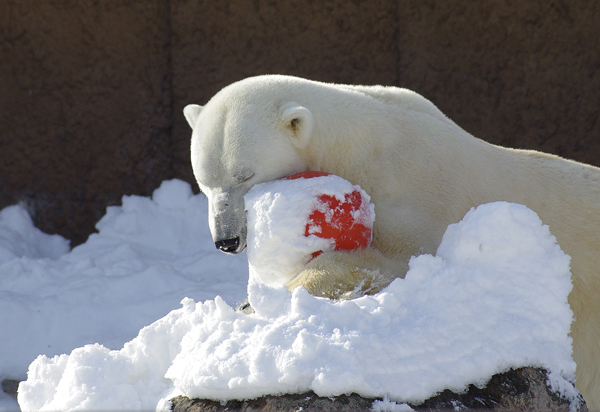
<point x="493" y="297"/>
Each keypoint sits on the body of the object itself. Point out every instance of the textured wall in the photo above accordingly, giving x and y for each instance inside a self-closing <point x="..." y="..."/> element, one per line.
<point x="91" y="92"/>
<point x="217" y="43"/>
<point x="85" y="107"/>
<point x="519" y="74"/>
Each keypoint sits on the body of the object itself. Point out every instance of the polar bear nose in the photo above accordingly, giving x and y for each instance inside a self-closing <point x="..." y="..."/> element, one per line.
<point x="228" y="245"/>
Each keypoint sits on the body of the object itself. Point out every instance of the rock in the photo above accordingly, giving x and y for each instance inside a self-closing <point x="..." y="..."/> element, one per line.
<point x="10" y="386"/>
<point x="522" y="389"/>
<point x="306" y="402"/>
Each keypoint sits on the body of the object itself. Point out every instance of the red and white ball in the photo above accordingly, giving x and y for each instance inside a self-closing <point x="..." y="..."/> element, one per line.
<point x="293" y="220"/>
<point x="347" y="222"/>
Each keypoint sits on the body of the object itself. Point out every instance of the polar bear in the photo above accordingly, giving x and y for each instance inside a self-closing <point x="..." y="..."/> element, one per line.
<point x="422" y="171"/>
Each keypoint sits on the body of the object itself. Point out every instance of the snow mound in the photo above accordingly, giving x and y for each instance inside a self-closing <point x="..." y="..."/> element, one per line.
<point x="148" y="255"/>
<point x="493" y="297"/>
<point x="19" y="238"/>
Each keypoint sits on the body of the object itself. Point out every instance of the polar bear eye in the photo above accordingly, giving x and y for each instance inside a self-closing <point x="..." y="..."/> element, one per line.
<point x="243" y="177"/>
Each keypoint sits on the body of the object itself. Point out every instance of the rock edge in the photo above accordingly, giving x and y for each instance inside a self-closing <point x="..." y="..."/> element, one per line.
<point x="523" y="389"/>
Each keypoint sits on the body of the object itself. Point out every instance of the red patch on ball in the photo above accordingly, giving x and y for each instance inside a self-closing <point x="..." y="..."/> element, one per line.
<point x="345" y="222"/>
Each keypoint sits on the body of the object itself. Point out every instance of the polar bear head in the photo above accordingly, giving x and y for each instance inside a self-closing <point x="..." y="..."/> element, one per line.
<point x="248" y="133"/>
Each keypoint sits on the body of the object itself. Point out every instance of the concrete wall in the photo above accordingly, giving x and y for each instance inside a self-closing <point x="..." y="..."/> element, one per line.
<point x="91" y="92"/>
<point x="85" y="107"/>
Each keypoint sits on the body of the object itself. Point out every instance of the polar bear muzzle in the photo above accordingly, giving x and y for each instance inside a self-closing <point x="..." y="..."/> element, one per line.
<point x="227" y="219"/>
<point x="228" y="245"/>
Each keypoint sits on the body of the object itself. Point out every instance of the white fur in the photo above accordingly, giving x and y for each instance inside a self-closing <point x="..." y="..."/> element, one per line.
<point x="423" y="172"/>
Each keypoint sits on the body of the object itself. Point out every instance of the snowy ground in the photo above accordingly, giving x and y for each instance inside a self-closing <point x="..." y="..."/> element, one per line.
<point x="494" y="297"/>
<point x="149" y="254"/>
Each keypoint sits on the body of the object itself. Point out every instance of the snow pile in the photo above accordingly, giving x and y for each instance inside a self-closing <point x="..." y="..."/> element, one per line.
<point x="494" y="297"/>
<point x="148" y="255"/>
<point x="19" y="238"/>
<point x="278" y="213"/>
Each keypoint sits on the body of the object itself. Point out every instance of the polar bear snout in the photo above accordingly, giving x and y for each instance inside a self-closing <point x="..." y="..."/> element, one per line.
<point x="228" y="245"/>
<point x="229" y="232"/>
<point x="227" y="219"/>
<point x="230" y="241"/>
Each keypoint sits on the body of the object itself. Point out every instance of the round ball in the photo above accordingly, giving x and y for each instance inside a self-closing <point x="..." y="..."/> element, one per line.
<point x="347" y="222"/>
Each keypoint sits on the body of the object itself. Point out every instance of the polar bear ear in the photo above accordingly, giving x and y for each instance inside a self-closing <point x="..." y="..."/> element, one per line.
<point x="191" y="113"/>
<point x="299" y="120"/>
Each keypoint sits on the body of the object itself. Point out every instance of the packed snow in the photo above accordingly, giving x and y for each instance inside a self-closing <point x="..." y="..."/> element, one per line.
<point x="493" y="297"/>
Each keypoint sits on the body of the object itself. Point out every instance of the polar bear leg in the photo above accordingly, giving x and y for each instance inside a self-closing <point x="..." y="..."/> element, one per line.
<point x="347" y="275"/>
<point x="585" y="331"/>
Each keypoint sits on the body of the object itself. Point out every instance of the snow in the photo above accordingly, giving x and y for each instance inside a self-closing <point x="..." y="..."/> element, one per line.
<point x="493" y="297"/>
<point x="279" y="211"/>
<point x="147" y="256"/>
